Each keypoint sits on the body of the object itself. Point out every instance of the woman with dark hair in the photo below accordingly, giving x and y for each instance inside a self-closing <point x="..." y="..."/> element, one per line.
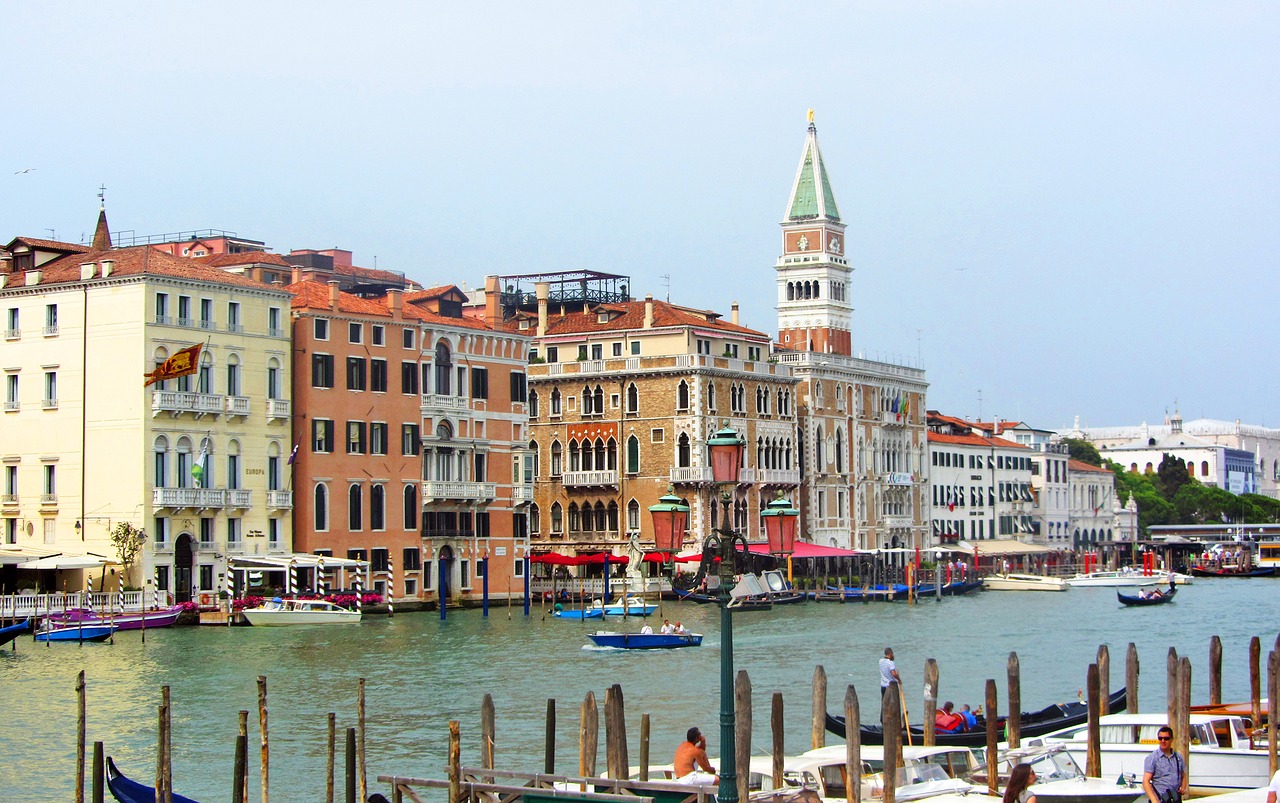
<point x="1019" y="780"/>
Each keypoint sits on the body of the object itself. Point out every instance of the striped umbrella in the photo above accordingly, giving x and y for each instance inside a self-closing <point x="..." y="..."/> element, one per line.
<point x="391" y="584"/>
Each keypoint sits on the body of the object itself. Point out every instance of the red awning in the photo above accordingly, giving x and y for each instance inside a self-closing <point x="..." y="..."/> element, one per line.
<point x="806" y="550"/>
<point x="597" y="558"/>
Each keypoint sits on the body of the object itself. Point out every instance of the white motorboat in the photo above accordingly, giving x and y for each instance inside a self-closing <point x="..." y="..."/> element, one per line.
<point x="1120" y="579"/>
<point x="299" y="612"/>
<point x="1221" y="757"/>
<point x="1024" y="582"/>
<point x="628" y="606"/>
<point x="1059" y="779"/>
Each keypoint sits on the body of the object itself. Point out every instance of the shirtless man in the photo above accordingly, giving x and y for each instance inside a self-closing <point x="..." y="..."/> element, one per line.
<point x="691" y="755"/>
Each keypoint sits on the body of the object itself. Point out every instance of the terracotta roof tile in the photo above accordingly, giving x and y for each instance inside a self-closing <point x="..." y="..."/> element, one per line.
<point x="244" y="258"/>
<point x="974" y="440"/>
<point x="1080" y="465"/>
<point x="138" y="261"/>
<point x="47" y="245"/>
<point x="315" y="296"/>
<point x="664" y="316"/>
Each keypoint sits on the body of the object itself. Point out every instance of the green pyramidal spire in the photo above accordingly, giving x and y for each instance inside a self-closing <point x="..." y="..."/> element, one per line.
<point x="811" y="195"/>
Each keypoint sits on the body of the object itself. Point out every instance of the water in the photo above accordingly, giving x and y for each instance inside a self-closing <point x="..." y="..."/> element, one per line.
<point x="421" y="673"/>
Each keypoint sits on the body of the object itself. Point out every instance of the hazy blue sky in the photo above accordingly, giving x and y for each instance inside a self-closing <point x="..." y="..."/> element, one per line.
<point x="1057" y="209"/>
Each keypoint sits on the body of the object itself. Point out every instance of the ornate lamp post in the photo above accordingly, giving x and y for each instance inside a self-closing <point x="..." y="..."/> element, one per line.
<point x="670" y="520"/>
<point x="727" y="552"/>
<point x="780" y="523"/>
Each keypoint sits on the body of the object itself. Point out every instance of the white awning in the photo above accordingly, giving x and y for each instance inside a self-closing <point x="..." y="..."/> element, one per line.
<point x="1001" y="547"/>
<point x="303" y="560"/>
<point x="67" y="562"/>
<point x="14" y="554"/>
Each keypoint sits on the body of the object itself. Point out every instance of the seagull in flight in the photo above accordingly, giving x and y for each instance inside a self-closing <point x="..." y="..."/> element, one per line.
<point x="25" y="170"/>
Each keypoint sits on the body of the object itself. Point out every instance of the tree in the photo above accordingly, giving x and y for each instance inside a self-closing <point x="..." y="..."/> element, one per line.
<point x="128" y="541"/>
<point x="1171" y="476"/>
<point x="1083" y="450"/>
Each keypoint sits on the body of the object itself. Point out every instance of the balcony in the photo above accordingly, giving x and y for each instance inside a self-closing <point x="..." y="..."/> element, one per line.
<point x="435" y="405"/>
<point x="280" y="500"/>
<point x="691" y="475"/>
<point x="11" y="406"/>
<point x="449" y="534"/>
<point x="583" y="479"/>
<point x="48" y="404"/>
<point x="51" y="331"/>
<point x="898" y="522"/>
<point x="48" y="500"/>
<point x="9" y="500"/>
<point x="892" y="419"/>
<point x="521" y="494"/>
<point x="239" y="499"/>
<point x="13" y="334"/>
<point x="238" y="405"/>
<point x="778" y="476"/>
<point x="177" y="402"/>
<point x="274" y="332"/>
<point x="278" y="409"/>
<point x="457" y="491"/>
<point x="193" y="498"/>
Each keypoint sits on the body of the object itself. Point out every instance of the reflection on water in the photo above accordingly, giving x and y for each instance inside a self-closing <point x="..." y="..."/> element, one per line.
<point x="421" y="673"/>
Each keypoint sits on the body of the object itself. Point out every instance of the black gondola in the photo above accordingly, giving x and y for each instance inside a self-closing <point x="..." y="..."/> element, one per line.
<point x="8" y="634"/>
<point x="1033" y="723"/>
<point x="126" y="790"/>
<point x="1158" y="597"/>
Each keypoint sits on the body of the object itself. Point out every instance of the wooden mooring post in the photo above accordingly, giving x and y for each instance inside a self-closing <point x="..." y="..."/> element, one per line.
<point x="351" y="782"/>
<point x="263" y="738"/>
<point x="1255" y="680"/>
<point x="1093" y="748"/>
<point x="363" y="789"/>
<point x="1273" y="708"/>
<point x="332" y="746"/>
<point x="777" y="731"/>
<point x="240" y="772"/>
<point x="487" y="724"/>
<point x="1014" y="720"/>
<point x="1104" y="680"/>
<point x="549" y="753"/>
<point x="1131" y="678"/>
<point x="818" y="724"/>
<point x="244" y="780"/>
<point x="615" y="734"/>
<point x="455" y="761"/>
<point x="742" y="732"/>
<point x="644" y="747"/>
<point x="852" y="750"/>
<point x="1215" y="670"/>
<point x="891" y="724"/>
<point x="99" y="774"/>
<point x="930" y="701"/>
<point x="1182" y="723"/>
<point x="588" y="737"/>
<point x="1171" y="685"/>
<point x="993" y="738"/>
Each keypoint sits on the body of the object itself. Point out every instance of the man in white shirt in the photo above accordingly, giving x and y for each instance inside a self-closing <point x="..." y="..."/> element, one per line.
<point x="1273" y="788"/>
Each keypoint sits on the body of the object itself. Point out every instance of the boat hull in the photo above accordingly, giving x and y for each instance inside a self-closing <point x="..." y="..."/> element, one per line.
<point x="645" y="641"/>
<point x="127" y="790"/>
<point x="126" y="621"/>
<point x="1116" y="580"/>
<point x="261" y="618"/>
<point x="77" y="633"/>
<point x="1261" y="571"/>
<point x="590" y="613"/>
<point x="1135" y="601"/>
<point x="8" y="634"/>
<point x="1024" y="582"/>
<point x="1033" y="723"/>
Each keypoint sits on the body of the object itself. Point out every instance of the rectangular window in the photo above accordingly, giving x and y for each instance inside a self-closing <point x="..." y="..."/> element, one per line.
<point x="11" y="481"/>
<point x="321" y="328"/>
<point x="379" y="335"/>
<point x="378" y="438"/>
<point x="274" y="329"/>
<point x="233" y="533"/>
<point x="50" y="390"/>
<point x="355" y="333"/>
<point x="617" y="349"/>
<point x="378" y="375"/>
<point x="462" y="382"/>
<point x="582" y="352"/>
<point x="635" y="347"/>
<point x="409" y="441"/>
<point x="356" y="554"/>
<point x="482" y="524"/>
<point x="273" y="533"/>
<point x="356" y="437"/>
<point x="481" y="462"/>
<point x="409" y="378"/>
<point x="321" y="370"/>
<point x="553" y="354"/>
<point x="206" y="532"/>
<point x="519" y="389"/>
<point x="233" y="317"/>
<point x="206" y="577"/>
<point x="321" y="435"/>
<point x="479" y="383"/>
<point x="597" y="351"/>
<point x="206" y="313"/>
<point x="355" y="373"/>
<point x="407" y="338"/>
<point x="11" y="392"/>
<point x="412" y="559"/>
<point x="50" y="320"/>
<point x="161" y="535"/>
<point x="162" y="308"/>
<point x="184" y="311"/>
<point x="50" y="488"/>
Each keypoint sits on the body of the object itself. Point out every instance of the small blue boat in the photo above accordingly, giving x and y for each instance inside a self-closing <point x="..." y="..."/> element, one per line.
<point x="645" y="641"/>
<point x="589" y="613"/>
<point x="129" y="791"/>
<point x="76" y="633"/>
<point x="631" y="606"/>
<point x="8" y="634"/>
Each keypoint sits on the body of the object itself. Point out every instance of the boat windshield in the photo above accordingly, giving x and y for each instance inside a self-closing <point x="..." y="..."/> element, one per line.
<point x="912" y="782"/>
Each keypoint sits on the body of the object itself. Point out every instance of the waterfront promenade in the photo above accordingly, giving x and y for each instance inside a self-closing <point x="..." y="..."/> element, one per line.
<point x="422" y="672"/>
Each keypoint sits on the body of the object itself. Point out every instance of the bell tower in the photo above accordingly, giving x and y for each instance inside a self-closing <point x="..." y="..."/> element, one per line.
<point x="814" y="312"/>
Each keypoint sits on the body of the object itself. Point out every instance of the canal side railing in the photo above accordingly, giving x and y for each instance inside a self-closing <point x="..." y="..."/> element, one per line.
<point x="20" y="606"/>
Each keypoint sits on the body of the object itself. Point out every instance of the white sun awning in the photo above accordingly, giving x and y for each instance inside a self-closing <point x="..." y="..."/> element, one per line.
<point x="11" y="554"/>
<point x="302" y="560"/>
<point x="67" y="562"/>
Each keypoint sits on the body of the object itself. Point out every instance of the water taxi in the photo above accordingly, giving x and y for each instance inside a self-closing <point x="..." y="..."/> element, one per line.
<point x="279" y="612"/>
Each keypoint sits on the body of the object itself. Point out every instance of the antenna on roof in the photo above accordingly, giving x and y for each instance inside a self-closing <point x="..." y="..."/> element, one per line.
<point x="666" y="280"/>
<point x="53" y="235"/>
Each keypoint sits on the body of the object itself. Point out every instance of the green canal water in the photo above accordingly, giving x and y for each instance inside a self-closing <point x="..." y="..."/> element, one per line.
<point x="422" y="672"/>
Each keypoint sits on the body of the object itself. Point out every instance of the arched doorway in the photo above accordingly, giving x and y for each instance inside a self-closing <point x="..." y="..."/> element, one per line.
<point x="446" y="561"/>
<point x="184" y="558"/>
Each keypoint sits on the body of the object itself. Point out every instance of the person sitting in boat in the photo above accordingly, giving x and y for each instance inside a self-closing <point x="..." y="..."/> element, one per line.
<point x="970" y="719"/>
<point x="946" y="720"/>
<point x="691" y="764"/>
<point x="646" y="631"/>
<point x="680" y="630"/>
<point x="667" y="628"/>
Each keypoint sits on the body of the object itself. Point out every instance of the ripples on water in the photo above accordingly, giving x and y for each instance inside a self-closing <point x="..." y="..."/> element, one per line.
<point x="421" y="673"/>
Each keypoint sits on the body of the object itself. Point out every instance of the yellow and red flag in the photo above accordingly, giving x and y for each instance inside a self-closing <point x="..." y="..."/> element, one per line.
<point x="183" y="363"/>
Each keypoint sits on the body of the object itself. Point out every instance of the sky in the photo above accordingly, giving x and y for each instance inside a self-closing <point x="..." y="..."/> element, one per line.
<point x="1059" y="210"/>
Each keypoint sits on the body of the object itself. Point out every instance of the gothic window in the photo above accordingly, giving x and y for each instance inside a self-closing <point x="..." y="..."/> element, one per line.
<point x="533" y="404"/>
<point x="556" y="459"/>
<point x="557" y="518"/>
<point x="555" y="401"/>
<point x="684" y="454"/>
<point x="633" y="455"/>
<point x="633" y="516"/>
<point x="611" y="455"/>
<point x="535" y="520"/>
<point x="443" y="368"/>
<point x="711" y="396"/>
<point x="682" y="395"/>
<point x="633" y="399"/>
<point x="575" y="519"/>
<point x="355" y="504"/>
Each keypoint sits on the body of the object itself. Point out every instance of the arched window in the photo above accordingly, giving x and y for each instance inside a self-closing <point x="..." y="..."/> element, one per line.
<point x="535" y="520"/>
<point x="633" y="516"/>
<point x="411" y="506"/>
<point x="711" y="396"/>
<point x="355" y="508"/>
<point x="161" y="475"/>
<point x="633" y="398"/>
<point x="557" y="519"/>
<point x="587" y="403"/>
<point x="444" y="369"/>
<point x="555" y="401"/>
<point x="633" y="455"/>
<point x="274" y="387"/>
<point x="377" y="508"/>
<point x="820" y="462"/>
<point x="611" y="455"/>
<point x="1191" y="468"/>
<point x="203" y="465"/>
<point x="535" y="455"/>
<point x="839" y="449"/>
<point x="322" y="507"/>
<point x="233" y="375"/>
<point x="533" y="404"/>
<point x="599" y="461"/>
<point x="682" y="395"/>
<point x="791" y="291"/>
<point x="602" y="518"/>
<point x="684" y="453"/>
<point x="204" y="381"/>
<point x="597" y="400"/>
<point x="575" y="458"/>
<point x="557" y="458"/>
<point x="575" y="518"/>
<point x="1204" y="468"/>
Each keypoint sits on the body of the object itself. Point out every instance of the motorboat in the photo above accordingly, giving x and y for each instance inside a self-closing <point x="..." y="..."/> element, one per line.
<point x="645" y="641"/>
<point x="164" y="617"/>
<point x="76" y="632"/>
<point x="578" y="613"/>
<point x="1024" y="582"/>
<point x="627" y="606"/>
<point x="1221" y="757"/>
<point x="1122" y="579"/>
<point x="1031" y="723"/>
<point x="278" y="612"/>
<point x="127" y="790"/>
<point x="1147" y="597"/>
<point x="1059" y="779"/>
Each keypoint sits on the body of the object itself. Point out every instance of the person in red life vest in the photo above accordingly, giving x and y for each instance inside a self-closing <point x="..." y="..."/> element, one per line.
<point x="946" y="721"/>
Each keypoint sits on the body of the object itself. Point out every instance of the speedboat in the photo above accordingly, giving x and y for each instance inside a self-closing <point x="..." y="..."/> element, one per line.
<point x="300" y="612"/>
<point x="1059" y="779"/>
<point x="1024" y="582"/>
<point x="628" y="606"/>
<point x="77" y="632"/>
<point x="645" y="641"/>
<point x="1114" y="579"/>
<point x="1221" y="757"/>
<point x="123" y="621"/>
<point x="578" y="613"/>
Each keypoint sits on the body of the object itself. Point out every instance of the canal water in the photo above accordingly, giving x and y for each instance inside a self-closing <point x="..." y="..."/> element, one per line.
<point x="422" y="672"/>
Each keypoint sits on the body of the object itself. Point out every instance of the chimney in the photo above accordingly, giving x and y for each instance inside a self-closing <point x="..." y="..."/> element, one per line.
<point x="33" y="277"/>
<point x="492" y="302"/>
<point x="6" y="262"/>
<point x="108" y="265"/>
<point x="543" y="292"/>
<point x="86" y="271"/>
<point x="297" y="274"/>
<point x="334" y="294"/>
<point x="733" y="313"/>
<point x="648" y="311"/>
<point x="395" y="303"/>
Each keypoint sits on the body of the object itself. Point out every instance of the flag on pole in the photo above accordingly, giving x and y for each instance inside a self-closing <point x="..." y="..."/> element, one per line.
<point x="184" y="362"/>
<point x="197" y="470"/>
<point x="293" y="455"/>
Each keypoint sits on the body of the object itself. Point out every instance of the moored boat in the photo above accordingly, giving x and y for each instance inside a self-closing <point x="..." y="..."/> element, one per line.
<point x="1153" y="597"/>
<point x="1024" y="582"/>
<point x="1032" y="723"/>
<point x="645" y="641"/>
<point x="280" y="612"/>
<point x="628" y="606"/>
<point x="579" y="613"/>
<point x="11" y="632"/>
<point x="1210" y="570"/>
<point x="1059" y="779"/>
<point x="1116" y="579"/>
<point x="76" y="632"/>
<point x="163" y="617"/>
<point x="127" y="790"/>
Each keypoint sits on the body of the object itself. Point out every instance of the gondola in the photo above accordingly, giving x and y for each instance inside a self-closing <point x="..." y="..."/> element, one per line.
<point x="1033" y="723"/>
<point x="1138" y="599"/>
<point x="8" y="634"/>
<point x="1212" y="571"/>
<point x="129" y="791"/>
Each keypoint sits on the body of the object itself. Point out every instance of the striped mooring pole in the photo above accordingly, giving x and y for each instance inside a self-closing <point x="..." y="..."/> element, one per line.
<point x="231" y="595"/>
<point x="391" y="584"/>
<point x="357" y="585"/>
<point x="320" y="578"/>
<point x="293" y="578"/>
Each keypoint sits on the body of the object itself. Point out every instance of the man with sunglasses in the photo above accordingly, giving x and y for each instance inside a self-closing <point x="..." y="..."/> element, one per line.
<point x="1164" y="773"/>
